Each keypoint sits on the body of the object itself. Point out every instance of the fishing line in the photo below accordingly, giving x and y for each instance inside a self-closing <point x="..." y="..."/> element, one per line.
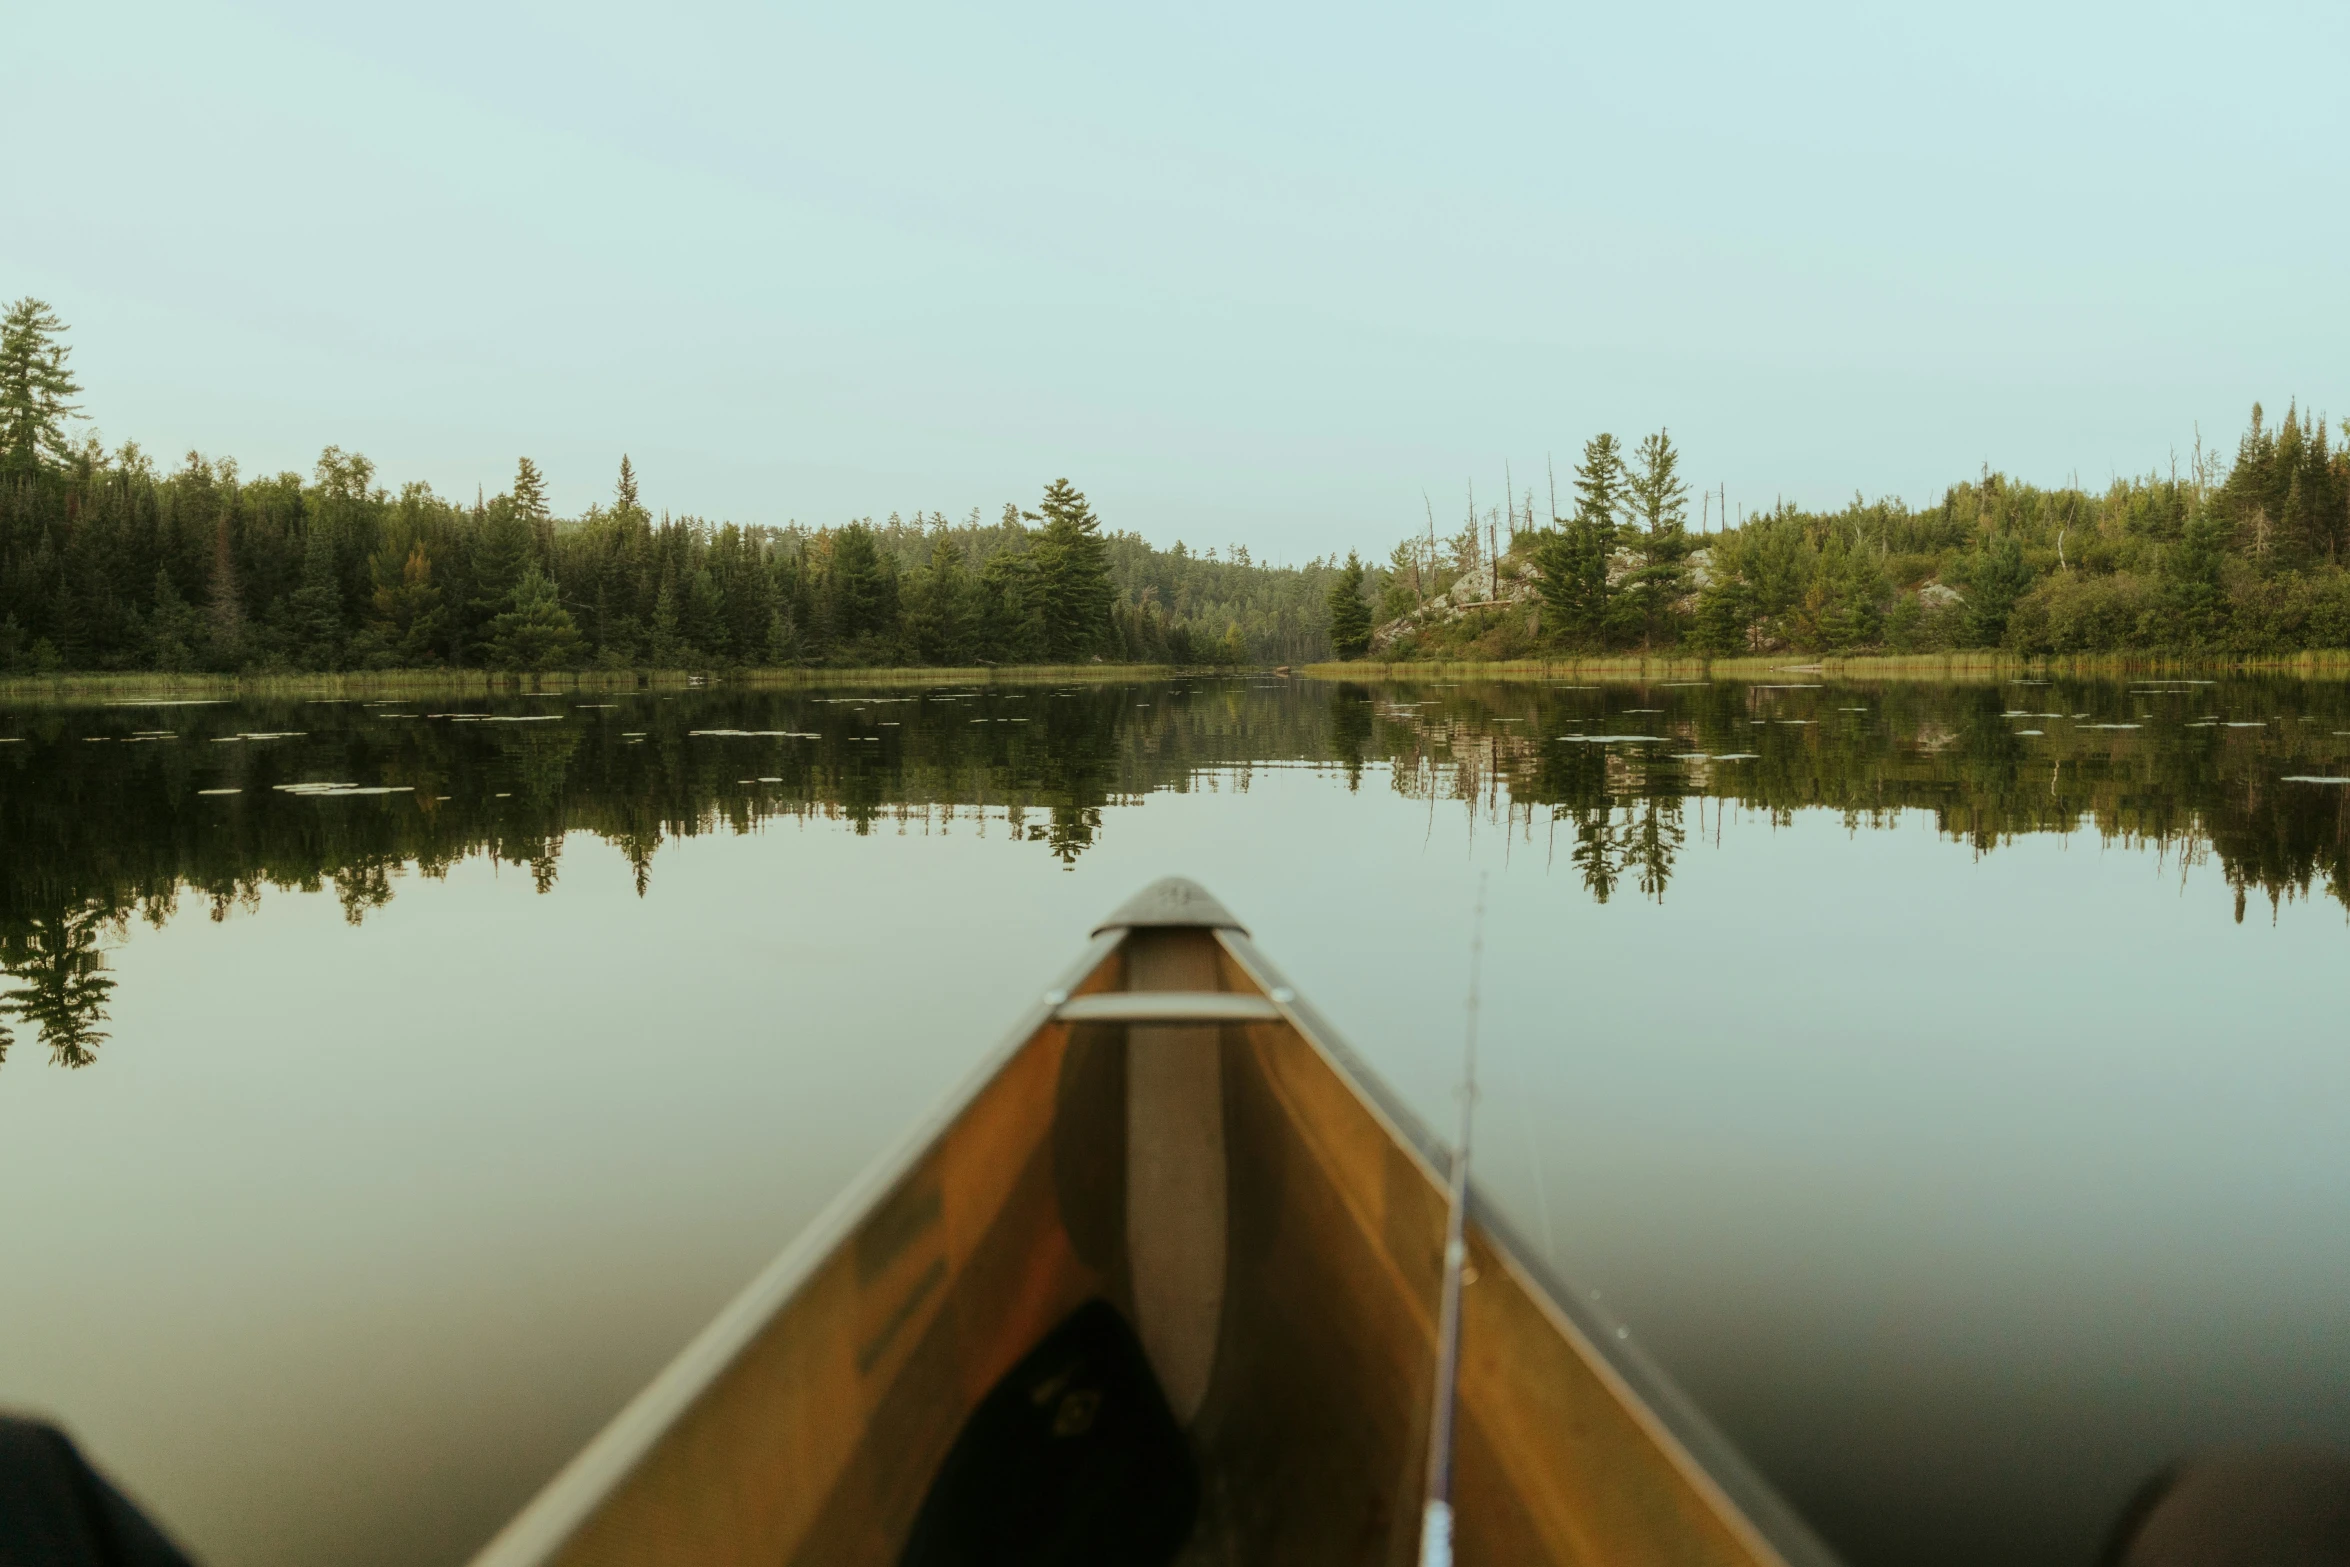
<point x="1436" y="1514"/>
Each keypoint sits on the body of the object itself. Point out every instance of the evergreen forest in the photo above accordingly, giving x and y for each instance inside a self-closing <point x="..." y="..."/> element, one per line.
<point x="2225" y="558"/>
<point x="111" y="561"/>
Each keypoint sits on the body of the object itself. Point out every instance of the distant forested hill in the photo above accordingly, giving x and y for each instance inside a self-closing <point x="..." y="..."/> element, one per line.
<point x="2245" y="556"/>
<point x="109" y="561"/>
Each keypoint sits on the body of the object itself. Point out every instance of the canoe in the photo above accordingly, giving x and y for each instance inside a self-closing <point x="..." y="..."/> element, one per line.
<point x="1158" y="1284"/>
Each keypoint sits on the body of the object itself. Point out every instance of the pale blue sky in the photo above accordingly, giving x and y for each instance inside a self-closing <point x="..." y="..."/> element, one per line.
<point x="1242" y="273"/>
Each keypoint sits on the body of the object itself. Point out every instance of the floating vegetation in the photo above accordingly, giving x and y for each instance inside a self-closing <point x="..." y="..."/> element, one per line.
<point x="322" y="790"/>
<point x="759" y="734"/>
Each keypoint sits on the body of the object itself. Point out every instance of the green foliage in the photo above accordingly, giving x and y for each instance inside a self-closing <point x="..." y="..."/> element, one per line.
<point x="1572" y="555"/>
<point x="36" y="389"/>
<point x="107" y="564"/>
<point x="2254" y="561"/>
<point x="537" y="632"/>
<point x="1071" y="575"/>
<point x="1350" y="616"/>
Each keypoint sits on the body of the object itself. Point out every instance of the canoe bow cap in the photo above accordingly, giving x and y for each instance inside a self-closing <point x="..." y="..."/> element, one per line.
<point x="1172" y="901"/>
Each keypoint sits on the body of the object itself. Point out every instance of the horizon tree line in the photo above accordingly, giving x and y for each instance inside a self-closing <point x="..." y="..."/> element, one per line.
<point x="2252" y="558"/>
<point x="108" y="561"/>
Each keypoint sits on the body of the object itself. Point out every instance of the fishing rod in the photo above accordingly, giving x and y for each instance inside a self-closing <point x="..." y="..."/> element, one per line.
<point x="1436" y="1514"/>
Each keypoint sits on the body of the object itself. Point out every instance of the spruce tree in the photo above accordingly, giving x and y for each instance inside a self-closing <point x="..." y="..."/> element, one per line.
<point x="857" y="586"/>
<point x="1011" y="624"/>
<point x="36" y="389"/>
<point x="1573" y="555"/>
<point x="1072" y="574"/>
<point x="537" y="631"/>
<point x="939" y="609"/>
<point x="314" y="611"/>
<point x="530" y="507"/>
<point x="666" y="648"/>
<point x="1350" y="617"/>
<point x="1657" y="502"/>
<point x="502" y="549"/>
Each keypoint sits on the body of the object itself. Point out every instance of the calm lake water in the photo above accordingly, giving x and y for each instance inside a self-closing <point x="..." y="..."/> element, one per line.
<point x="1945" y="1082"/>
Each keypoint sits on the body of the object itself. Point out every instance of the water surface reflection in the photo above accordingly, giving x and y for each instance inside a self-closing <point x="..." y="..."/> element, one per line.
<point x="121" y="812"/>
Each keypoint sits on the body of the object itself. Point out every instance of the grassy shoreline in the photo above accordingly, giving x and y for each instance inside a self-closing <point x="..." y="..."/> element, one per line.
<point x="476" y="682"/>
<point x="2324" y="664"/>
<point x="1975" y="666"/>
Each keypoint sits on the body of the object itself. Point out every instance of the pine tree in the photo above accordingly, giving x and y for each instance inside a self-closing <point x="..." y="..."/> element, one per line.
<point x="314" y="611"/>
<point x="1011" y="623"/>
<point x="939" y="608"/>
<point x="1657" y="503"/>
<point x="537" y="632"/>
<point x="1072" y="574"/>
<point x="1573" y="554"/>
<point x="666" y="649"/>
<point x="36" y="389"/>
<point x="1724" y="611"/>
<point x="857" y="588"/>
<point x="2194" y="599"/>
<point x="624" y="501"/>
<point x="1350" y="617"/>
<point x="1996" y="577"/>
<point x="501" y="551"/>
<point x="1601" y="483"/>
<point x="530" y="507"/>
<point x="407" y="607"/>
<point x="175" y="628"/>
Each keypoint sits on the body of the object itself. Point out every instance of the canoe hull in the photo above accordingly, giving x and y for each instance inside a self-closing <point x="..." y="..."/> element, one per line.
<point x="1271" y="1222"/>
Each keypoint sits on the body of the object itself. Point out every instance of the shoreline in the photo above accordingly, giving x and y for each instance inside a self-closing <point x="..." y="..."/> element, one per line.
<point x="1972" y="666"/>
<point x="130" y="684"/>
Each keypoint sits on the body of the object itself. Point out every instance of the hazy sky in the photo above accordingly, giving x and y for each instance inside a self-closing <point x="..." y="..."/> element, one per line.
<point x="1242" y="273"/>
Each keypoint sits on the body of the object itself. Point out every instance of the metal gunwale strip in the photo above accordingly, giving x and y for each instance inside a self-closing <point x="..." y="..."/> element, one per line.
<point x="1168" y="1006"/>
<point x="1648" y="1390"/>
<point x="566" y="1503"/>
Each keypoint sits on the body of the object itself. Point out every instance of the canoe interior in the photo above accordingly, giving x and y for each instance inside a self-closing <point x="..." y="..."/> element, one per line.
<point x="1277" y="1239"/>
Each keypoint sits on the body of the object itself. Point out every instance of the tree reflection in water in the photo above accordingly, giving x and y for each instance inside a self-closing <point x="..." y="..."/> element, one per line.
<point x="104" y="816"/>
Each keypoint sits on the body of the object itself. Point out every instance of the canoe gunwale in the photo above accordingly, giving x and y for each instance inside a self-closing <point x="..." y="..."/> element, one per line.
<point x="1708" y="1457"/>
<point x="541" y="1532"/>
<point x="566" y="1503"/>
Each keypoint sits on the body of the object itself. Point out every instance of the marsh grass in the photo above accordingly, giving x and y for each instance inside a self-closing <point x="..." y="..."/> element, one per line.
<point x="1982" y="666"/>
